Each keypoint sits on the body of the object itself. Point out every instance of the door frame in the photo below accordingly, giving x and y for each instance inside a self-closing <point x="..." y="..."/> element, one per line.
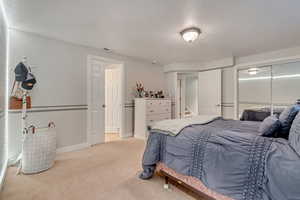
<point x="104" y="60"/>
<point x="181" y="92"/>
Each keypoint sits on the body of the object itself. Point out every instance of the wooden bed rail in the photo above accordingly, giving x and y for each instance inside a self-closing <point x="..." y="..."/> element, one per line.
<point x="183" y="186"/>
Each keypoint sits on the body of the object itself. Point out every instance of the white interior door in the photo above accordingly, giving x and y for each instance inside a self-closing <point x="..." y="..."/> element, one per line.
<point x="96" y="102"/>
<point x="210" y="92"/>
<point x="112" y="100"/>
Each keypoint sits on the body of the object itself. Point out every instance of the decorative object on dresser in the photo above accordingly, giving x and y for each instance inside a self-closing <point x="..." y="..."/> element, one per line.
<point x="148" y="111"/>
<point x="140" y="90"/>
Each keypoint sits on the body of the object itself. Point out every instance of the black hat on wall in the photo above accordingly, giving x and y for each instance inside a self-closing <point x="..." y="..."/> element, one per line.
<point x="29" y="82"/>
<point x="21" y="72"/>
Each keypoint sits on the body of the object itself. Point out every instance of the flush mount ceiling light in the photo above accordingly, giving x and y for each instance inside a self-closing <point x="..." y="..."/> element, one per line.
<point x="154" y="62"/>
<point x="108" y="50"/>
<point x="253" y="71"/>
<point x="190" y="34"/>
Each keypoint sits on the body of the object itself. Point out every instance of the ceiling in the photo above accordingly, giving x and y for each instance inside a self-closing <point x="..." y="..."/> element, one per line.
<point x="149" y="29"/>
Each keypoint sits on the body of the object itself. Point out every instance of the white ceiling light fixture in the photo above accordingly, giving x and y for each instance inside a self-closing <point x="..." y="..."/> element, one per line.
<point x="154" y="62"/>
<point x="190" y="34"/>
<point x="108" y="50"/>
<point x="253" y="71"/>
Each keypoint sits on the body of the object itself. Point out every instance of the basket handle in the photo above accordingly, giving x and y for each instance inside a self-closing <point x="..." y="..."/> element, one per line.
<point x="32" y="128"/>
<point x="25" y="131"/>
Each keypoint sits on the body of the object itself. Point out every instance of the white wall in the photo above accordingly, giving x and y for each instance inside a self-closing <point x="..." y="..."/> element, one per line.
<point x="196" y="66"/>
<point x="3" y="58"/>
<point x="267" y="57"/>
<point x="60" y="69"/>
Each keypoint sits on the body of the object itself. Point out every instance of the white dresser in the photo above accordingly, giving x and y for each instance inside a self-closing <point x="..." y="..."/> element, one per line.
<point x="147" y="111"/>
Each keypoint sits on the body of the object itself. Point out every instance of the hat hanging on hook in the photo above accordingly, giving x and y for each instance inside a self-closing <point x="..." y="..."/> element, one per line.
<point x="23" y="74"/>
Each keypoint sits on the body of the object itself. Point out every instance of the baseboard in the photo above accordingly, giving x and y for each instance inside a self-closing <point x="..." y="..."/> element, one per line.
<point x="111" y="130"/>
<point x="3" y="174"/>
<point x="139" y="137"/>
<point x="127" y="135"/>
<point x="75" y="147"/>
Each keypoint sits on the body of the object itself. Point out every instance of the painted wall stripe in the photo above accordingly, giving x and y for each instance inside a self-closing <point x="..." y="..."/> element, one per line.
<point x="46" y="110"/>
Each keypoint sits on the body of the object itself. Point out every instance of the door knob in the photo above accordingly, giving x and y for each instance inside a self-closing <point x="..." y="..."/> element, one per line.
<point x="103" y="106"/>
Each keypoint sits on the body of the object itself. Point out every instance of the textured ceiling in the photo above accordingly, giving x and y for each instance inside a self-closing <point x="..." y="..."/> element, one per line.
<point x="149" y="29"/>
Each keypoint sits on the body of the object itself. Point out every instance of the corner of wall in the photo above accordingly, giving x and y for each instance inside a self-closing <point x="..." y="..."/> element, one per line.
<point x="3" y="174"/>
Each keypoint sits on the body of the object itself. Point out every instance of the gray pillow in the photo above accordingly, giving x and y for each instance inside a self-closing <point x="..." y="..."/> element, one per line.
<point x="294" y="137"/>
<point x="270" y="126"/>
<point x="286" y="119"/>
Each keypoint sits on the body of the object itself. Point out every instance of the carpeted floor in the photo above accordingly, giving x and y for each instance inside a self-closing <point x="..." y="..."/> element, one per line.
<point x="110" y="137"/>
<point x="104" y="172"/>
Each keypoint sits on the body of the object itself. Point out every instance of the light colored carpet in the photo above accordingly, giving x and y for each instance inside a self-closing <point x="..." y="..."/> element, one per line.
<point x="109" y="137"/>
<point x="104" y="172"/>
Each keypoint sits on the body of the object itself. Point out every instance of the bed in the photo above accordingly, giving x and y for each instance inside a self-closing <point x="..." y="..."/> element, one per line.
<point x="226" y="159"/>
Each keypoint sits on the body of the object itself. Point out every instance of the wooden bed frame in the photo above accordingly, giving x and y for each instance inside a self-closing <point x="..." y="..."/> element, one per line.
<point x="183" y="186"/>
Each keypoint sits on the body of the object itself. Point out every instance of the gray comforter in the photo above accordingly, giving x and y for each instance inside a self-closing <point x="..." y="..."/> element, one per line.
<point x="230" y="158"/>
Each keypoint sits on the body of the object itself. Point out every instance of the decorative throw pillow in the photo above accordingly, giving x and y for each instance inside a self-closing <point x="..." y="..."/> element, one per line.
<point x="270" y="126"/>
<point x="294" y="137"/>
<point x="286" y="119"/>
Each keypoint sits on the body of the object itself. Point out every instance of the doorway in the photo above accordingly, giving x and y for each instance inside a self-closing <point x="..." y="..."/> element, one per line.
<point x="105" y="79"/>
<point x="112" y="99"/>
<point x="187" y="97"/>
<point x="199" y="93"/>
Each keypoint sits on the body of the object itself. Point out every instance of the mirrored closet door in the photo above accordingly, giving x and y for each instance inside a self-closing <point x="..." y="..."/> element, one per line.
<point x="285" y="84"/>
<point x="267" y="90"/>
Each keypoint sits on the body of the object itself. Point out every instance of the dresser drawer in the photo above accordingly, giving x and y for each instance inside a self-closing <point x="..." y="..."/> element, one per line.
<point x="158" y="117"/>
<point x="151" y="103"/>
<point x="148" y="111"/>
<point x="157" y="110"/>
